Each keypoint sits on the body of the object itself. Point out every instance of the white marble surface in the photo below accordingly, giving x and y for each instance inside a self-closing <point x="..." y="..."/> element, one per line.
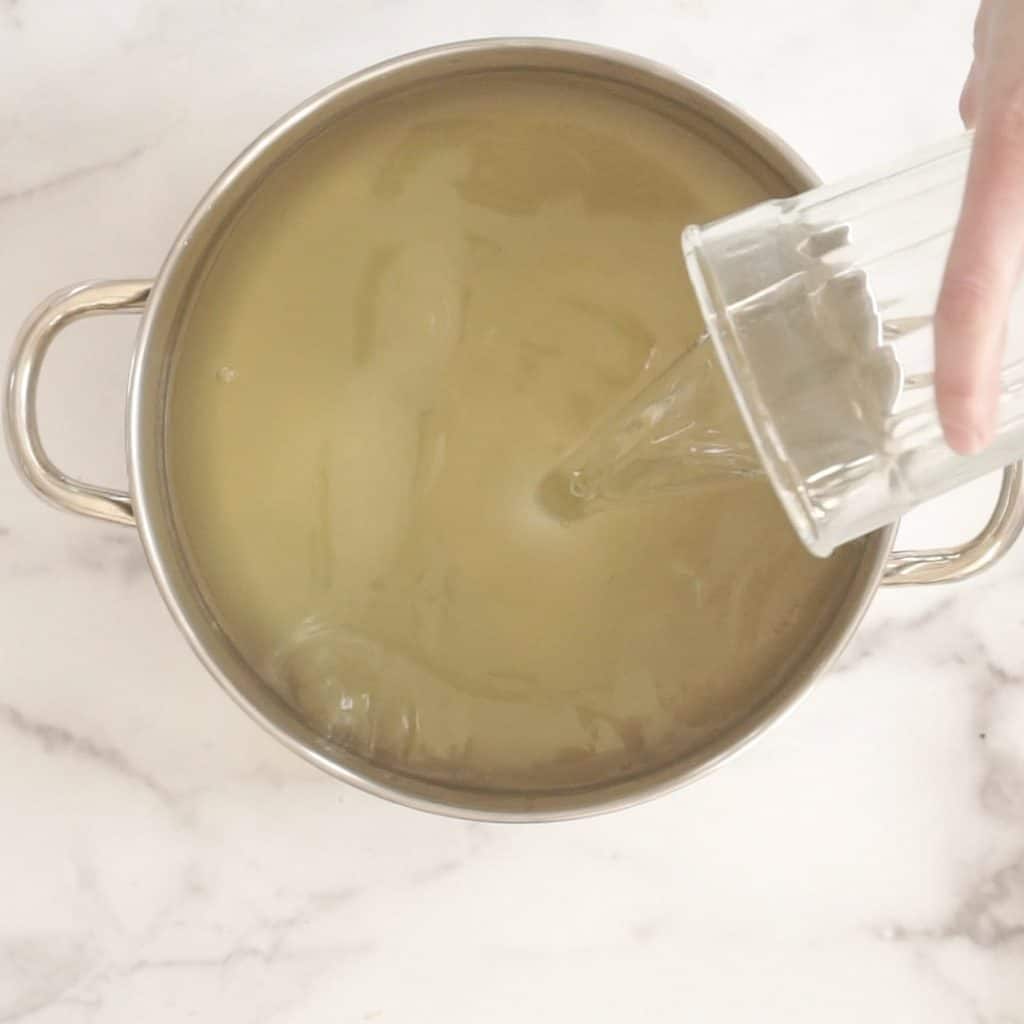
<point x="162" y="860"/>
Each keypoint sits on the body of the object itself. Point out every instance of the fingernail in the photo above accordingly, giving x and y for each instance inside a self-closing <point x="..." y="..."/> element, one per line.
<point x="967" y="437"/>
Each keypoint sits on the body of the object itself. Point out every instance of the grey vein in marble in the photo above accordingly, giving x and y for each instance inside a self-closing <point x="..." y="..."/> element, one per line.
<point x="47" y="969"/>
<point x="990" y="915"/>
<point x="120" y="548"/>
<point x="73" y="176"/>
<point x="872" y="642"/>
<point x="55" y="738"/>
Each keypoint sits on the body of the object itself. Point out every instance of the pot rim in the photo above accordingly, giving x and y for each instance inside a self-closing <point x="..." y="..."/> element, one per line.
<point x="145" y="416"/>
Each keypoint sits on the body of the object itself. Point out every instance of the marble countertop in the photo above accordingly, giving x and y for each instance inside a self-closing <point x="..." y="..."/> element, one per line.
<point x="161" y="859"/>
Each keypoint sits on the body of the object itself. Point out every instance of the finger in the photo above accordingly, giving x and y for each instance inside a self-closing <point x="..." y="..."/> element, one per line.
<point x="969" y="98"/>
<point x="972" y="86"/>
<point x="982" y="26"/>
<point x="981" y="274"/>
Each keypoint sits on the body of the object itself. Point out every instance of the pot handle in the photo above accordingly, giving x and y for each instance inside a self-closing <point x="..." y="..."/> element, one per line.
<point x="90" y="298"/>
<point x="64" y="307"/>
<point x="948" y="565"/>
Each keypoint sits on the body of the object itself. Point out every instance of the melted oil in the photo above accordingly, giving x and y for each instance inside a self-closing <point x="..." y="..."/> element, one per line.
<point x="411" y="322"/>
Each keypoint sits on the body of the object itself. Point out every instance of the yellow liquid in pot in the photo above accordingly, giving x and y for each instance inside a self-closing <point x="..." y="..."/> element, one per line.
<point x="407" y="327"/>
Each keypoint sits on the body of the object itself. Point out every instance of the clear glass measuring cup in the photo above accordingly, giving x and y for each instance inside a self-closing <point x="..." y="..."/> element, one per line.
<point x="820" y="309"/>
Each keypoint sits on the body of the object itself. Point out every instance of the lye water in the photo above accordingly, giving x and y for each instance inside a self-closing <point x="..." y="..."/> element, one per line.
<point x="680" y="433"/>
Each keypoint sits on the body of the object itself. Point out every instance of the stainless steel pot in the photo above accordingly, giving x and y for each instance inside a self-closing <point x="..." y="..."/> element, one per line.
<point x="161" y="303"/>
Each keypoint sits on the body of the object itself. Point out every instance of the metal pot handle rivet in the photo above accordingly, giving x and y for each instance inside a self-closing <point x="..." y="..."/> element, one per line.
<point x="55" y="313"/>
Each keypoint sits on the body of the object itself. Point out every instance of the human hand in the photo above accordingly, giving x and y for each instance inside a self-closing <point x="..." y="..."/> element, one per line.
<point x="988" y="246"/>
